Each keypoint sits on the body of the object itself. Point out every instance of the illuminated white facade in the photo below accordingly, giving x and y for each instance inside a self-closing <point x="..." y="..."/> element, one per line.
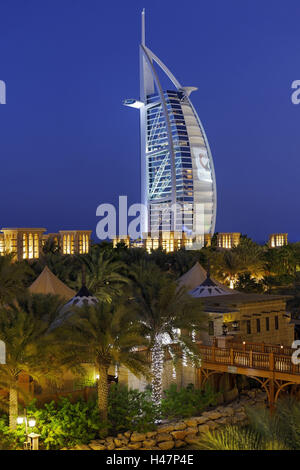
<point x="176" y="162"/>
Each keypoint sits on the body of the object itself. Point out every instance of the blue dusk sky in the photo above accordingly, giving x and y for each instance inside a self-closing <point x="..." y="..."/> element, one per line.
<point x="67" y="144"/>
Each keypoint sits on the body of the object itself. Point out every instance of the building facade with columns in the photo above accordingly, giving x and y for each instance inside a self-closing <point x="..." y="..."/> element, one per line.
<point x="27" y="243"/>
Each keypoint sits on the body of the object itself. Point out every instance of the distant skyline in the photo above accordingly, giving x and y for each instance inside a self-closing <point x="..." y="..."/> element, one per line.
<point x="67" y="144"/>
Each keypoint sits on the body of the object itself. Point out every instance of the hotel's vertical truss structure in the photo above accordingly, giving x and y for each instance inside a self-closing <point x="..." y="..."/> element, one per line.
<point x="176" y="161"/>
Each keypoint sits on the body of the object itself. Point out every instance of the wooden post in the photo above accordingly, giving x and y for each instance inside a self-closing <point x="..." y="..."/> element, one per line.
<point x="199" y="378"/>
<point x="271" y="397"/>
<point x="271" y="361"/>
<point x="231" y="356"/>
<point x="251" y="358"/>
<point x="213" y="354"/>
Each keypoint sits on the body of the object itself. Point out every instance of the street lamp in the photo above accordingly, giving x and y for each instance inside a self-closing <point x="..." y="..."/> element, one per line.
<point x="32" y="442"/>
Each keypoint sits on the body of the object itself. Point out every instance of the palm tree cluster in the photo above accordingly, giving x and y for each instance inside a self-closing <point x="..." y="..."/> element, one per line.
<point x="140" y="315"/>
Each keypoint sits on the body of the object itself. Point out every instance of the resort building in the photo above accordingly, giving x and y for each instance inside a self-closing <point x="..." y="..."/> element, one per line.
<point x="27" y="243"/>
<point x="277" y="240"/>
<point x="168" y="241"/>
<point x="178" y="184"/>
<point x="254" y="318"/>
<point x="228" y="240"/>
<point x="75" y="241"/>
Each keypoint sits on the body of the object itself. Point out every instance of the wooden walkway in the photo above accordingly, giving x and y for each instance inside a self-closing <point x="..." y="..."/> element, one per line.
<point x="273" y="368"/>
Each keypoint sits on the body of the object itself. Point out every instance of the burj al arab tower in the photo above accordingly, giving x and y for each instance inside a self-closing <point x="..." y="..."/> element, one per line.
<point x="176" y="163"/>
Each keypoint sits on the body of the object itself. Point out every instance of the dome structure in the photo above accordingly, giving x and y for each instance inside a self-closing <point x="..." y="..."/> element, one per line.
<point x="82" y="298"/>
<point x="209" y="288"/>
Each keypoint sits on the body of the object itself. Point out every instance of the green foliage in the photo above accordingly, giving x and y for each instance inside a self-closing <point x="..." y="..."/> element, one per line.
<point x="11" y="439"/>
<point x="130" y="409"/>
<point x="265" y="431"/>
<point x="237" y="438"/>
<point x="66" y="424"/>
<point x="186" y="402"/>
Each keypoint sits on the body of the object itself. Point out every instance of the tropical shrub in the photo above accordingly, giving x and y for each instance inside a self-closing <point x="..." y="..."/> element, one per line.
<point x="130" y="409"/>
<point x="186" y="402"/>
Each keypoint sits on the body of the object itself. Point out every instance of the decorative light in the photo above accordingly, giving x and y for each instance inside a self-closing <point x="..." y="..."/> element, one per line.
<point x="20" y="420"/>
<point x="193" y="336"/>
<point x="244" y="342"/>
<point x="97" y="377"/>
<point x="31" y="422"/>
<point x="184" y="358"/>
<point x="157" y="369"/>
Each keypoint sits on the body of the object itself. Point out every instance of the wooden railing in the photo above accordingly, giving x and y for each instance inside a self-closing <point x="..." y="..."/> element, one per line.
<point x="249" y="359"/>
<point x="262" y="347"/>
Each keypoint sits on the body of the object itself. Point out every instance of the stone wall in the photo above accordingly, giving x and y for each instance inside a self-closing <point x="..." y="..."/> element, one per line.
<point x="179" y="434"/>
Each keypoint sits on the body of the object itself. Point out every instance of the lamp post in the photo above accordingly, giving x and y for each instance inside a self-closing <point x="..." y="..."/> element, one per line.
<point x="225" y="329"/>
<point x="32" y="442"/>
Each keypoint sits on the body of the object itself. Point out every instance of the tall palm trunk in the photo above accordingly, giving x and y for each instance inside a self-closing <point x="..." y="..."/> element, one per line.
<point x="13" y="407"/>
<point x="103" y="392"/>
<point x="157" y="370"/>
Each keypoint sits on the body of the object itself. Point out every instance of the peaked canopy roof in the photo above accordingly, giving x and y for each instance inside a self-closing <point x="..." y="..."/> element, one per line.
<point x="209" y="288"/>
<point x="83" y="297"/>
<point x="197" y="275"/>
<point x="48" y="283"/>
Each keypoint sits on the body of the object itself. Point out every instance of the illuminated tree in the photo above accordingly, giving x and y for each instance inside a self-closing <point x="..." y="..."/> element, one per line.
<point x="168" y="316"/>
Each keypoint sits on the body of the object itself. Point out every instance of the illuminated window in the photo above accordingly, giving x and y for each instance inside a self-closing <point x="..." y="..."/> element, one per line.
<point x="36" y="246"/>
<point x="65" y="244"/>
<point x="81" y="243"/>
<point x="30" y="246"/>
<point x="25" y="246"/>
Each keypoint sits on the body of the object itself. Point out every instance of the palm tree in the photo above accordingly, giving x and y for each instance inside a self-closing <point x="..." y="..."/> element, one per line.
<point x="13" y="277"/>
<point x="103" y="335"/>
<point x="105" y="276"/>
<point x="28" y="349"/>
<point x="265" y="431"/>
<point x="169" y="317"/>
<point x="229" y="267"/>
<point x="236" y="438"/>
<point x="251" y="257"/>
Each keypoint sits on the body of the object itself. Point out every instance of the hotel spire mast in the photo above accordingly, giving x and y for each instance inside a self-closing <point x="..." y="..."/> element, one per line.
<point x="176" y="161"/>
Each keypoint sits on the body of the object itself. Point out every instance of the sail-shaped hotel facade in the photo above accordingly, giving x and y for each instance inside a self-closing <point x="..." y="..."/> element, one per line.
<point x="177" y="170"/>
